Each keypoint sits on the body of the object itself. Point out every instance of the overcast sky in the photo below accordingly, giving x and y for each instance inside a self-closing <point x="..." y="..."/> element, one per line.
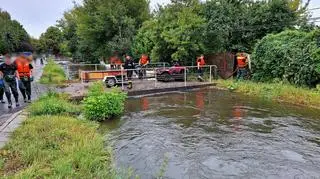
<point x="37" y="15"/>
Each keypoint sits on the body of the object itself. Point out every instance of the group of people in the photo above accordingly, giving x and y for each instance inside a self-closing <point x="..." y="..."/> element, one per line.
<point x="13" y="75"/>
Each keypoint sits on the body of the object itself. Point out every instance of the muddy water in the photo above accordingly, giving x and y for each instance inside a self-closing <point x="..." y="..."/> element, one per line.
<point x="216" y="134"/>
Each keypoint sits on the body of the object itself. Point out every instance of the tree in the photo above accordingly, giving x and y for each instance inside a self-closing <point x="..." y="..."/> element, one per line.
<point x="51" y="40"/>
<point x="175" y="33"/>
<point x="108" y="26"/>
<point x="13" y="37"/>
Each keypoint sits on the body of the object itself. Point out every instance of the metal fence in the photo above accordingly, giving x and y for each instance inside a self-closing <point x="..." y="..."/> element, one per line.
<point x="152" y="76"/>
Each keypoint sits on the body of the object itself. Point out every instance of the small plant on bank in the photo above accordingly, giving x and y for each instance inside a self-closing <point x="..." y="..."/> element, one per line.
<point x="53" y="104"/>
<point x="101" y="105"/>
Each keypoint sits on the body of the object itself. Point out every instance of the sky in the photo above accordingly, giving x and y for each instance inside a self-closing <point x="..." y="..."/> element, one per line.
<point x="37" y="15"/>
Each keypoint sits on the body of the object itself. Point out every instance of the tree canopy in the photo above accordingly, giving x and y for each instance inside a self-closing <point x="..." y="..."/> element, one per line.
<point x="13" y="37"/>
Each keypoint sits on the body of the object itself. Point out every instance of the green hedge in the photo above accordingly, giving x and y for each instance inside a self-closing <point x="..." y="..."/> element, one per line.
<point x="291" y="56"/>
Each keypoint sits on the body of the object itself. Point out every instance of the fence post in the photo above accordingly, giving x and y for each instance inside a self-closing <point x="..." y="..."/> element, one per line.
<point x="185" y="76"/>
<point x="210" y="74"/>
<point x="68" y="72"/>
<point x="155" y="77"/>
<point x="96" y="67"/>
<point x="122" y="85"/>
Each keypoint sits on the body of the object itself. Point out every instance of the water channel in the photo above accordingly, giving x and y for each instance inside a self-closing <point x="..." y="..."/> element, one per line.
<point x="216" y="134"/>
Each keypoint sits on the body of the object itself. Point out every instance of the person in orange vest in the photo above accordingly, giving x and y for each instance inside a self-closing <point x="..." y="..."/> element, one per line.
<point x="242" y="63"/>
<point x="200" y="64"/>
<point x="25" y="68"/>
<point x="143" y="62"/>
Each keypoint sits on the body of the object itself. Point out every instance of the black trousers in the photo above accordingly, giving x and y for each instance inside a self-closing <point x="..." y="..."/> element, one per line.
<point x="1" y="93"/>
<point x="11" y="85"/>
<point x="25" y="87"/>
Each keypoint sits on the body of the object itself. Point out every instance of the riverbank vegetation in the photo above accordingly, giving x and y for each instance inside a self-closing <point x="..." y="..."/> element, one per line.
<point x="56" y="142"/>
<point x="101" y="105"/>
<point x="52" y="74"/>
<point x="280" y="92"/>
<point x="56" y="147"/>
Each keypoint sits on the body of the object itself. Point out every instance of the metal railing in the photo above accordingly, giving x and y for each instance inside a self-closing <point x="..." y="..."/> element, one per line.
<point x="181" y="73"/>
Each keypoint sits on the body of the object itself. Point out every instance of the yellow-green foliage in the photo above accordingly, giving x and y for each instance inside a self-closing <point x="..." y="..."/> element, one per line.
<point x="56" y="147"/>
<point x="52" y="74"/>
<point x="275" y="91"/>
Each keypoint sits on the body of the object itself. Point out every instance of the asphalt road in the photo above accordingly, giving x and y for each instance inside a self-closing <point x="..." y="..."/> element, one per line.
<point x="37" y="89"/>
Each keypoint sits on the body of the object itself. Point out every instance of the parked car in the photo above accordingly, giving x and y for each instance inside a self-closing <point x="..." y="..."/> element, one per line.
<point x="1" y="59"/>
<point x="150" y="73"/>
<point x="171" y="74"/>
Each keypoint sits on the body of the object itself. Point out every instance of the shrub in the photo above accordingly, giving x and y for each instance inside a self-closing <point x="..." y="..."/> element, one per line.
<point x="56" y="147"/>
<point x="53" y="104"/>
<point x="100" y="105"/>
<point x="52" y="74"/>
<point x="292" y="56"/>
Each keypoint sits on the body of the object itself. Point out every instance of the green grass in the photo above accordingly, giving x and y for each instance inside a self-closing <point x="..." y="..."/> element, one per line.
<point x="52" y="74"/>
<point x="53" y="104"/>
<point x="275" y="91"/>
<point x="56" y="147"/>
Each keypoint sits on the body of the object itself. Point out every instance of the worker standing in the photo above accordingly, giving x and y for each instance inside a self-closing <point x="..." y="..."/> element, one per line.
<point x="200" y="64"/>
<point x="143" y="62"/>
<point x="129" y="66"/>
<point x="10" y="73"/>
<point x="25" y="69"/>
<point x="242" y="63"/>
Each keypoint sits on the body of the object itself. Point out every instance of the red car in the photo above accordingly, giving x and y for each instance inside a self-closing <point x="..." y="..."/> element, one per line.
<point x="171" y="74"/>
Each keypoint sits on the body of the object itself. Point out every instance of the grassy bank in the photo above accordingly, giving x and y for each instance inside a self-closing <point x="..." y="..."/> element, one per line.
<point x="56" y="147"/>
<point x="275" y="91"/>
<point x="53" y="143"/>
<point x="52" y="74"/>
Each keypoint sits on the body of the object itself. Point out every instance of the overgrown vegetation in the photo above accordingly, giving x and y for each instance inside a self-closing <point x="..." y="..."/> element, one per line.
<point x="101" y="105"/>
<point x="53" y="104"/>
<point x="280" y="92"/>
<point x="52" y="74"/>
<point x="56" y="147"/>
<point x="291" y="56"/>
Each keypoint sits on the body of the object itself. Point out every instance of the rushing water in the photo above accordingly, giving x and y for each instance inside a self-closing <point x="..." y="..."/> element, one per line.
<point x="216" y="134"/>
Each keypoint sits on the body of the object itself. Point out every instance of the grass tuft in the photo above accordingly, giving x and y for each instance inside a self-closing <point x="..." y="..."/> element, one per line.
<point x="56" y="147"/>
<point x="52" y="74"/>
<point x="275" y="91"/>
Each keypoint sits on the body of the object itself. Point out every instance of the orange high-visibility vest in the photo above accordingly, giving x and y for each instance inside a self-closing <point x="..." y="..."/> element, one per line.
<point x="144" y="59"/>
<point x="23" y="67"/>
<point x="201" y="61"/>
<point x="242" y="61"/>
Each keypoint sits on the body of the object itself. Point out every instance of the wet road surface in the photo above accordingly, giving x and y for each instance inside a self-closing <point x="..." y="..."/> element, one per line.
<point x="216" y="134"/>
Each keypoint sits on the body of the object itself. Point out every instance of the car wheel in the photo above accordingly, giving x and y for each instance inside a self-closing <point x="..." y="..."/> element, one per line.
<point x="111" y="82"/>
<point x="166" y="77"/>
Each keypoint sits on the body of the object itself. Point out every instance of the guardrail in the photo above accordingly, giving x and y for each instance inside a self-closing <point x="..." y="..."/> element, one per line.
<point x="182" y="73"/>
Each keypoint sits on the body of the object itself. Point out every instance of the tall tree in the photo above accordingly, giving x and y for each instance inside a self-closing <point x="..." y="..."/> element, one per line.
<point x="51" y="40"/>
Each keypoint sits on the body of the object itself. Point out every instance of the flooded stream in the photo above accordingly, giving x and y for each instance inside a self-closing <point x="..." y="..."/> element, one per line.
<point x="216" y="134"/>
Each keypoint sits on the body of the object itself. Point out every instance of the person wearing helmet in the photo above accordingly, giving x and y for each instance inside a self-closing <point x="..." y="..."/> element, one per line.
<point x="9" y="72"/>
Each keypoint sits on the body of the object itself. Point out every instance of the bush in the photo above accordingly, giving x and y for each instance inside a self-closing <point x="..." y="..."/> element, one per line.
<point x="52" y="74"/>
<point x="56" y="147"/>
<point x="101" y="105"/>
<point x="53" y="104"/>
<point x="292" y="56"/>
